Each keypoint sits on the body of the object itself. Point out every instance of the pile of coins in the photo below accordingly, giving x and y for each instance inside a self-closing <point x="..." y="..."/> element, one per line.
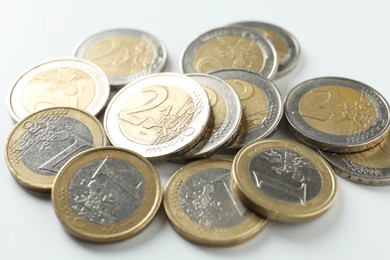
<point x="224" y="102"/>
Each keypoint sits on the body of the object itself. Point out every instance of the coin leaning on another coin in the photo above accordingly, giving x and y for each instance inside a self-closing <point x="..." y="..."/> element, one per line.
<point x="226" y="112"/>
<point x="261" y="103"/>
<point x="124" y="54"/>
<point x="230" y="47"/>
<point x="286" y="45"/>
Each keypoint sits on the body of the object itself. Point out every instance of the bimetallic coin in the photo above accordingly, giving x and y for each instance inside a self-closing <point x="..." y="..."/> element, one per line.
<point x="261" y="104"/>
<point x="230" y="47"/>
<point x="226" y="113"/>
<point x="283" y="180"/>
<point x="124" y="54"/>
<point x="202" y="208"/>
<point x="106" y="194"/>
<point x="67" y="82"/>
<point x="159" y="116"/>
<point x="371" y="167"/>
<point x="286" y="45"/>
<point x="337" y="114"/>
<point x="43" y="142"/>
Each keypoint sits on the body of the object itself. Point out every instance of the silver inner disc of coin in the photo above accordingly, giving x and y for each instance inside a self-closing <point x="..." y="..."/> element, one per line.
<point x="207" y="199"/>
<point x="285" y="175"/>
<point x="48" y="144"/>
<point x="106" y="191"/>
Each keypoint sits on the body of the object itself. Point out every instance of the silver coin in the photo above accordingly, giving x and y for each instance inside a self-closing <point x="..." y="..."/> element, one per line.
<point x="230" y="47"/>
<point x="370" y="167"/>
<point x="66" y="82"/>
<point x="286" y="45"/>
<point x="124" y="54"/>
<point x="337" y="114"/>
<point x="226" y="113"/>
<point x="158" y="116"/>
<point x="261" y="102"/>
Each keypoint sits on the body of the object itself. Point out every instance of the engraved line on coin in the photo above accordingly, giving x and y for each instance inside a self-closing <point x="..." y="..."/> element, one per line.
<point x="240" y="208"/>
<point x="44" y="136"/>
<point x="211" y="206"/>
<point x="78" y="144"/>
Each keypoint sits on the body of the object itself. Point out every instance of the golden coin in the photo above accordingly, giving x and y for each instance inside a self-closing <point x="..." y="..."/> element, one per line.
<point x="286" y="45"/>
<point x="230" y="47"/>
<point x="202" y="208"/>
<point x="106" y="194"/>
<point x="67" y="82"/>
<point x="283" y="180"/>
<point x="337" y="114"/>
<point x="43" y="142"/>
<point x="124" y="54"/>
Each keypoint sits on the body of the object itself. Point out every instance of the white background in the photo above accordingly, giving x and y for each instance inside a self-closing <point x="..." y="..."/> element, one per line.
<point x="338" y="38"/>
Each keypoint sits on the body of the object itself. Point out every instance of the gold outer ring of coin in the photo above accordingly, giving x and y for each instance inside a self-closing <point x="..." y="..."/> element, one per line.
<point x="107" y="233"/>
<point x="195" y="232"/>
<point x="19" y="170"/>
<point x="274" y="209"/>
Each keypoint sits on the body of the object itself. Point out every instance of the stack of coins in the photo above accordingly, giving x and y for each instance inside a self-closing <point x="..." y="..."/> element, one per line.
<point x="225" y="102"/>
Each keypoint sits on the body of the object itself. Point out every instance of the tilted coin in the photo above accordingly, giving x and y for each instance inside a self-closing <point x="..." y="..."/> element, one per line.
<point x="124" y="54"/>
<point x="337" y="114"/>
<point x="202" y="208"/>
<point x="44" y="141"/>
<point x="286" y="45"/>
<point x="106" y="194"/>
<point x="283" y="180"/>
<point x="230" y="47"/>
<point x="67" y="82"/>
<point x="371" y="167"/>
<point x="159" y="116"/>
<point x="261" y="103"/>
<point x="226" y="113"/>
